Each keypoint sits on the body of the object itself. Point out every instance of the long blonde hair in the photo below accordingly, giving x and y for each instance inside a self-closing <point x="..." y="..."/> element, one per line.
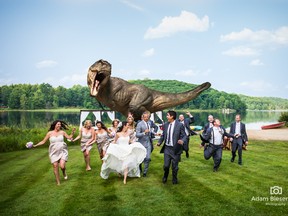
<point x="87" y="122"/>
<point x="132" y="124"/>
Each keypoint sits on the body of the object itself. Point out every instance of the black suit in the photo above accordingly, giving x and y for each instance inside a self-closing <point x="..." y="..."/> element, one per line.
<point x="172" y="153"/>
<point x="187" y="122"/>
<point x="154" y="126"/>
<point x="215" y="149"/>
<point x="238" y="142"/>
<point x="206" y="127"/>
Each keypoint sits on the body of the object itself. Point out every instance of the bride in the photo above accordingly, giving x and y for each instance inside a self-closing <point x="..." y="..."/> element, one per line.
<point x="122" y="157"/>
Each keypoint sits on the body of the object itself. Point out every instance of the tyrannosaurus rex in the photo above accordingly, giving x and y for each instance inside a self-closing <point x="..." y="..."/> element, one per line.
<point x="124" y="97"/>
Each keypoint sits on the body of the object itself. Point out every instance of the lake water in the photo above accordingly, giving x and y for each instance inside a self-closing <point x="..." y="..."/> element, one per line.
<point x="31" y="119"/>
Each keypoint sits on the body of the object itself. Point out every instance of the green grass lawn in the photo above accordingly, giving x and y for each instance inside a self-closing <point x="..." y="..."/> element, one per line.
<point x="28" y="185"/>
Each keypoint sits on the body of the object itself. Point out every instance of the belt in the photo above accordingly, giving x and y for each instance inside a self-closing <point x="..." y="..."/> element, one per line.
<point x="168" y="146"/>
<point x="216" y="144"/>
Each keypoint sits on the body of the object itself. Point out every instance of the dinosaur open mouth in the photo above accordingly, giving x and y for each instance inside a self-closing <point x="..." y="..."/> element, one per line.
<point x="99" y="77"/>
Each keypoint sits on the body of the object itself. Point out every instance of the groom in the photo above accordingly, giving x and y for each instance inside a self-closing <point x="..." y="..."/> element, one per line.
<point x="143" y="133"/>
<point x="173" y="137"/>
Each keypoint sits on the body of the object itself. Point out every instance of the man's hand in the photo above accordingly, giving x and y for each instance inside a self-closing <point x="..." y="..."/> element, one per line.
<point x="180" y="142"/>
<point x="158" y="144"/>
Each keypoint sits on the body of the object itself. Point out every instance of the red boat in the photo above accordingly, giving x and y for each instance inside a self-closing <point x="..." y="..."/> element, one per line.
<point x="272" y="126"/>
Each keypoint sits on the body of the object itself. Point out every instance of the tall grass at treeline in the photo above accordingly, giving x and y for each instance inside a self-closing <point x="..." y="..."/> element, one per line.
<point x="15" y="137"/>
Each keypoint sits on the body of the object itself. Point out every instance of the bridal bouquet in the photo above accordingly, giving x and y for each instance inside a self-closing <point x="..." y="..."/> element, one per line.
<point x="29" y="145"/>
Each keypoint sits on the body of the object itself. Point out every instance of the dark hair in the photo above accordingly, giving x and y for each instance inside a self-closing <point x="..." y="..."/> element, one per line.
<point x="102" y="125"/>
<point x="64" y="125"/>
<point x="172" y="113"/>
<point x="124" y="123"/>
<point x="215" y="120"/>
<point x="115" y="120"/>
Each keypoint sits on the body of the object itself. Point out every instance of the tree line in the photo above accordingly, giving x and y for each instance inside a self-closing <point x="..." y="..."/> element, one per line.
<point x="44" y="96"/>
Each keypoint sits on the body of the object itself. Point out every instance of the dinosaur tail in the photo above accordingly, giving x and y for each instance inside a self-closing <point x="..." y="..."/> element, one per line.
<point x="165" y="100"/>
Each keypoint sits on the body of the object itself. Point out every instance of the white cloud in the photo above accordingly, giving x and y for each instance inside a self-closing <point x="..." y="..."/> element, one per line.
<point x="170" y="25"/>
<point x="258" y="86"/>
<point x="74" y="78"/>
<point x="46" y="64"/>
<point x="131" y="5"/>
<point x="256" y="62"/>
<point x="279" y="36"/>
<point x="149" y="52"/>
<point x="241" y="51"/>
<point x="67" y="81"/>
<point x="144" y="72"/>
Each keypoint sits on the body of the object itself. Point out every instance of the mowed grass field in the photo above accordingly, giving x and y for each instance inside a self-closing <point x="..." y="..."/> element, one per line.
<point x="28" y="185"/>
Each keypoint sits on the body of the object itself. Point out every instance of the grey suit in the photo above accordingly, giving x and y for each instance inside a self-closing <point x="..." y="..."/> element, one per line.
<point x="172" y="153"/>
<point x="145" y="140"/>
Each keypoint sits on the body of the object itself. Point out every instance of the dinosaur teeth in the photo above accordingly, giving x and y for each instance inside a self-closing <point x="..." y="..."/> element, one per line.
<point x="95" y="88"/>
<point x="93" y="92"/>
<point x="97" y="84"/>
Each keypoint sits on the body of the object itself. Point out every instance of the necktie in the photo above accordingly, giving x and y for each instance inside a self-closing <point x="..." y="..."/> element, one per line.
<point x="147" y="125"/>
<point x="169" y="133"/>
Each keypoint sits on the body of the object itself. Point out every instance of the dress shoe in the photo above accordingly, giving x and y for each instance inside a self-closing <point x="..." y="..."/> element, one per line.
<point x="240" y="163"/>
<point x="175" y="182"/>
<point x="215" y="170"/>
<point x="187" y="154"/>
<point x="232" y="160"/>
<point x="144" y="175"/>
<point x="164" y="180"/>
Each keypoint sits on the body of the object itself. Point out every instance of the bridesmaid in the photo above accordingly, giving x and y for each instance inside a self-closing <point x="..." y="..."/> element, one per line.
<point x="58" y="151"/>
<point x="113" y="130"/>
<point x="88" y="137"/>
<point x="102" y="138"/>
<point x="131" y="128"/>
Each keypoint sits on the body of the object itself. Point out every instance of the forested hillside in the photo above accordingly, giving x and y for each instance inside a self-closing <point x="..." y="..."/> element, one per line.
<point x="44" y="96"/>
<point x="265" y="103"/>
<point x="209" y="99"/>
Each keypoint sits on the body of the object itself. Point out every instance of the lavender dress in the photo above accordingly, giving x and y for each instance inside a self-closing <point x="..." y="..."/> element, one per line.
<point x="57" y="149"/>
<point x="84" y="139"/>
<point x="102" y="141"/>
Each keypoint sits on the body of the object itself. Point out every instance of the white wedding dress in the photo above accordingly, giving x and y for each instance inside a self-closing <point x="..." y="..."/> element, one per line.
<point x="121" y="155"/>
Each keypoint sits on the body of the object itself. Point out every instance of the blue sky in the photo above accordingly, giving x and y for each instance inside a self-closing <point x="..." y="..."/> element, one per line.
<point x="239" y="46"/>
